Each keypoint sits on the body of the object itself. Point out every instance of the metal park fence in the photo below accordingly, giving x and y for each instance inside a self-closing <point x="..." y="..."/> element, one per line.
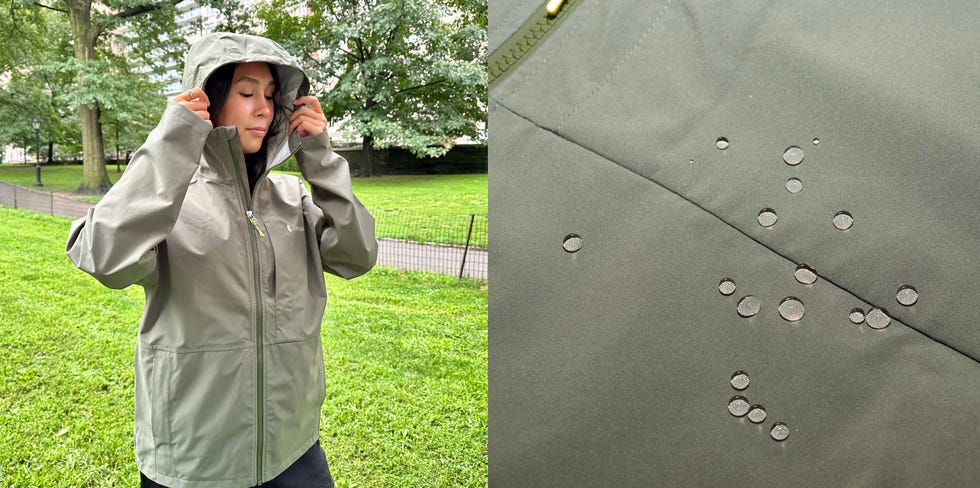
<point x="453" y="244"/>
<point x="14" y="196"/>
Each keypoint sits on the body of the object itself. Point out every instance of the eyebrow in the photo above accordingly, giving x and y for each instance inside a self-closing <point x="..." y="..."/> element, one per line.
<point x="254" y="81"/>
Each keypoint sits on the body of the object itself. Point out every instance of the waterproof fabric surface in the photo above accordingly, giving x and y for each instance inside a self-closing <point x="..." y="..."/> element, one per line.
<point x="610" y="366"/>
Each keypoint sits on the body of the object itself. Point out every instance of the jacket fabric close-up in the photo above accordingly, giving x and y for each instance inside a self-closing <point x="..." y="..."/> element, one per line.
<point x="229" y="363"/>
<point x="734" y="243"/>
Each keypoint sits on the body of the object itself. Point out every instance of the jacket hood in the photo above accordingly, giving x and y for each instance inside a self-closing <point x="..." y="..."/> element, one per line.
<point x="220" y="48"/>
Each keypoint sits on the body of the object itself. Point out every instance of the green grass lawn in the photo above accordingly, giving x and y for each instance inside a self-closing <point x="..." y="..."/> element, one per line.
<point x="406" y="358"/>
<point x="427" y="208"/>
<point x="59" y="179"/>
<point x="424" y="208"/>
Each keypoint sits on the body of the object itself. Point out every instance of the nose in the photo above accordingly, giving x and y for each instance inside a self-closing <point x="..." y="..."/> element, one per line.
<point x="263" y="107"/>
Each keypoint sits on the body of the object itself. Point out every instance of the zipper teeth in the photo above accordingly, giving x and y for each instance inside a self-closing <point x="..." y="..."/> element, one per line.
<point x="526" y="38"/>
<point x="257" y="284"/>
<point x="260" y="420"/>
<point x="260" y="383"/>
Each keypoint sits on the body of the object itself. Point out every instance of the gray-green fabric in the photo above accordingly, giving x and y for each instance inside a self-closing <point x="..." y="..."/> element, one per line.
<point x="610" y="366"/>
<point x="229" y="364"/>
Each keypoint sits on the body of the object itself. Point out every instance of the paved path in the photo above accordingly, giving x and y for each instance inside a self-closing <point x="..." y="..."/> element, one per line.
<point x="394" y="253"/>
<point x="432" y="258"/>
<point x="41" y="201"/>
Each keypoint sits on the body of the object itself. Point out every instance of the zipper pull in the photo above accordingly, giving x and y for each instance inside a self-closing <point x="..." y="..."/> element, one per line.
<point x="553" y="7"/>
<point x="255" y="222"/>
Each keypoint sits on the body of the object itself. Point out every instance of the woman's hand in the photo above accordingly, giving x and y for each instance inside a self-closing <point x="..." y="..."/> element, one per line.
<point x="197" y="101"/>
<point x="309" y="118"/>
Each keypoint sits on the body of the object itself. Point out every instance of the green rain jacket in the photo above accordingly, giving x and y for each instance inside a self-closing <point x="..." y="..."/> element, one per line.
<point x="229" y="365"/>
<point x="637" y="148"/>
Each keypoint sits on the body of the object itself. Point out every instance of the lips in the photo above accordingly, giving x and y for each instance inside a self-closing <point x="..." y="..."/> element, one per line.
<point x="259" y="131"/>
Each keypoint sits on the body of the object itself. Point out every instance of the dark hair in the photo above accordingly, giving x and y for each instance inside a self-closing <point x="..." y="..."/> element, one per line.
<point x="217" y="87"/>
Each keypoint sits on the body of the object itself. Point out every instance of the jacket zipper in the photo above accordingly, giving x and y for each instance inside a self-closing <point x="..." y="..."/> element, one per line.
<point x="259" y="335"/>
<point x="255" y="222"/>
<point x="522" y="42"/>
<point x="253" y="235"/>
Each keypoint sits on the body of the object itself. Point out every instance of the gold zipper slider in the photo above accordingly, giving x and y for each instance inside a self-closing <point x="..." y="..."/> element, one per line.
<point x="553" y="7"/>
<point x="255" y="222"/>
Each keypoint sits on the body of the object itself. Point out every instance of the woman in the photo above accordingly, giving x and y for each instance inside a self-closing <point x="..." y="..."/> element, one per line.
<point x="229" y="365"/>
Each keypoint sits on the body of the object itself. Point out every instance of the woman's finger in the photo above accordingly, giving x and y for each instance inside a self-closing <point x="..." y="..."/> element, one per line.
<point x="194" y="94"/>
<point x="199" y="95"/>
<point x="195" y="106"/>
<point x="307" y="113"/>
<point x="311" y="101"/>
<point x="308" y="125"/>
<point x="196" y="101"/>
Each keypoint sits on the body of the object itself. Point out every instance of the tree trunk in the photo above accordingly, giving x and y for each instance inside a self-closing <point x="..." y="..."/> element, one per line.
<point x="95" y="178"/>
<point x="367" y="147"/>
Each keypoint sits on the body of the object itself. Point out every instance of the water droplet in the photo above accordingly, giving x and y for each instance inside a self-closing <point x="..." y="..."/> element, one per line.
<point x="721" y="143"/>
<point x="856" y="315"/>
<point x="779" y="431"/>
<point x="726" y="287"/>
<point x="740" y="380"/>
<point x="749" y="306"/>
<point x="805" y="274"/>
<point x="572" y="243"/>
<point x="791" y="309"/>
<point x="767" y="217"/>
<point x="738" y="406"/>
<point x="793" y="156"/>
<point x="757" y="414"/>
<point x="907" y="295"/>
<point x="794" y="185"/>
<point x="843" y="220"/>
<point x="878" y="318"/>
<point x="816" y="141"/>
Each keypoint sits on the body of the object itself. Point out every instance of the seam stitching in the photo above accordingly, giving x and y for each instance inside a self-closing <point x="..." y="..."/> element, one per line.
<point x="740" y="231"/>
<point x="544" y="62"/>
<point x="613" y="71"/>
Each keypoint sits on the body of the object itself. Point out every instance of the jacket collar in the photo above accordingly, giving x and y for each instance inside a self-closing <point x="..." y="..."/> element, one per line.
<point x="223" y="156"/>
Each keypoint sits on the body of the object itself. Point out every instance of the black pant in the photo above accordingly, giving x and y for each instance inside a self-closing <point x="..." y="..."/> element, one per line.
<point x="309" y="471"/>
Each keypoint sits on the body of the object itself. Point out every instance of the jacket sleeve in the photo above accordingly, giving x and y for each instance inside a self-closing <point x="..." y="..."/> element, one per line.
<point x="348" y="247"/>
<point x="116" y="241"/>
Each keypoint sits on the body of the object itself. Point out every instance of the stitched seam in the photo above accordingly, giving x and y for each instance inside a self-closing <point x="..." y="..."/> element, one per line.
<point x="551" y="54"/>
<point x="619" y="65"/>
<point x="504" y="21"/>
<point x="740" y="231"/>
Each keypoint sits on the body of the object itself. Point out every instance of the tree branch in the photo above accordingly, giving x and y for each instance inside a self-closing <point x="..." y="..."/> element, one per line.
<point x="348" y="53"/>
<point x="401" y="17"/>
<point x="360" y="48"/>
<point x="47" y="81"/>
<point x="39" y="4"/>
<point x="417" y="87"/>
<point x="142" y="9"/>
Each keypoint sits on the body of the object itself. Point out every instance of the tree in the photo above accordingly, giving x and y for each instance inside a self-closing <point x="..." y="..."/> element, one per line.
<point x="395" y="72"/>
<point x="99" y="66"/>
<point x="30" y="89"/>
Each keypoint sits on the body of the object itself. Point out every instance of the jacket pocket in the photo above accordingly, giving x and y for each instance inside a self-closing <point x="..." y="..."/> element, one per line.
<point x="152" y="401"/>
<point x="213" y="414"/>
<point x="299" y="289"/>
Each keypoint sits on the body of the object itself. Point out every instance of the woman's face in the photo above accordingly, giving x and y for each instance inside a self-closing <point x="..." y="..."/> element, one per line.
<point x="249" y="104"/>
